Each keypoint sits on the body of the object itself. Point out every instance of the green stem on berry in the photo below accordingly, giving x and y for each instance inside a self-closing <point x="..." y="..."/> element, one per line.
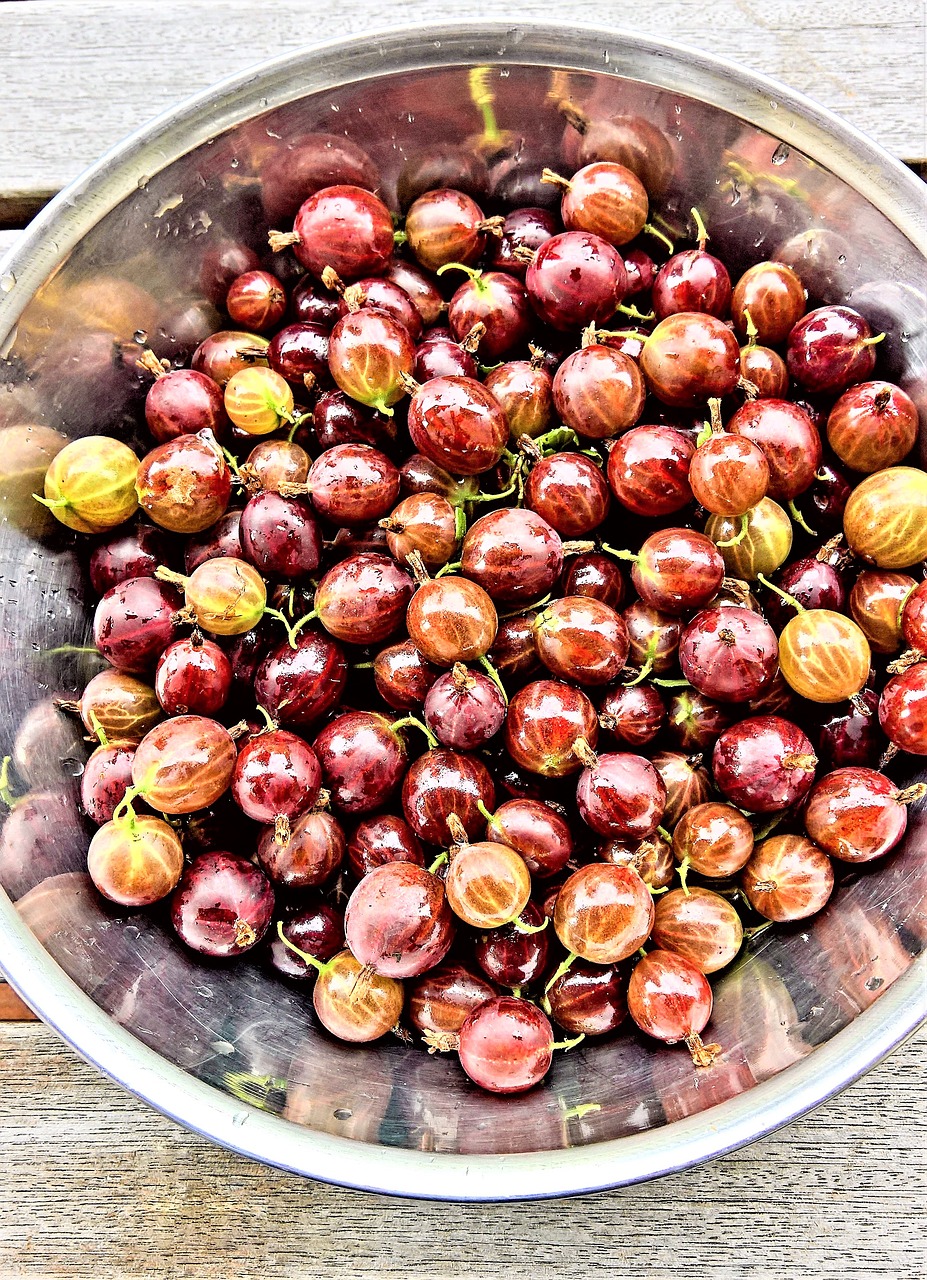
<point x="619" y="555"/>
<point x="651" y="230"/>
<point x="410" y="721"/>
<point x="799" y="608"/>
<point x="97" y="729"/>
<point x="451" y="567"/>
<point x="311" y="960"/>
<point x="800" y="519"/>
<point x="270" y="724"/>
<point x="738" y="537"/>
<point x="701" y="234"/>
<point x="519" y="924"/>
<point x="439" y="862"/>
<point x="494" y="677"/>
<point x="566" y="1045"/>
<point x="683" y="870"/>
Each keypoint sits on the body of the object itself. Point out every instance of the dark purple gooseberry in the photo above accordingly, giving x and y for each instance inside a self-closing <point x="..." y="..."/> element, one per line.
<point x="641" y="270"/>
<point x="133" y="553"/>
<point x="440" y="355"/>
<point x="633" y="714"/>
<point x="514" y="555"/>
<point x="316" y="928"/>
<point x="851" y="734"/>
<point x="440" y="783"/>
<point x="193" y="677"/>
<point x="828" y="496"/>
<point x="298" y="351"/>
<point x="183" y="402"/>
<point x="222" y="906"/>
<point x="526" y="228"/>
<point x="534" y="830"/>
<point x="386" y="297"/>
<point x="576" y="279"/>
<point x="337" y="419"/>
<point x="312" y="303"/>
<point x="570" y="492"/>
<point x="442" y="165"/>
<point x="695" y="722"/>
<point x="363" y="760"/>
<point x="353" y="484"/>
<point x="403" y="677"/>
<point x="221" y="539"/>
<point x="620" y="794"/>
<point x="814" y="583"/>
<point x="245" y="654"/>
<point x="763" y="764"/>
<point x="280" y="536"/>
<point x="464" y="709"/>
<point x="106" y="778"/>
<point x="135" y="621"/>
<point x="692" y="281"/>
<point x="497" y="302"/>
<point x="596" y="575"/>
<point x="512" y="958"/>
<point x="831" y="348"/>
<point x="513" y="652"/>
<point x="687" y="782"/>
<point x="728" y="653"/>
<point x="398" y="920"/>
<point x="382" y="838"/>
<point x="277" y="776"/>
<point x="298" y="686"/>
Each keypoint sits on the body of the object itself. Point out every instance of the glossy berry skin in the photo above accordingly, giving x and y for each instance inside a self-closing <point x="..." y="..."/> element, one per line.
<point x="362" y="759"/>
<point x="535" y="831"/>
<point x="789" y="440"/>
<point x="855" y="814"/>
<point x="445" y="226"/>
<point x="106" y="778"/>
<point x="312" y="303"/>
<point x="440" y="1001"/>
<point x="368" y="356"/>
<point x="308" y="858"/>
<point x="422" y="522"/>
<point x="355" y="1009"/>
<point x="699" y="925"/>
<point x="603" y="913"/>
<point x="225" y="353"/>
<point x="687" y="783"/>
<point x="118" y="706"/>
<point x="589" y="999"/>
<point x="420" y="288"/>
<point x="814" y="583"/>
<point x="506" y="1045"/>
<point x="634" y="714"/>
<point x="487" y="884"/>
<point x="873" y="425"/>
<point x="299" y="354"/>
<point x="648" y="470"/>
<point x="885" y="520"/>
<point x="318" y="930"/>
<point x="440" y="783"/>
<point x="184" y="402"/>
<point x="280" y="536"/>
<point x="581" y="639"/>
<point x="851" y="734"/>
<point x="377" y="294"/>
<point x="501" y="305"/>
<point x="135" y="866"/>
<point x="576" y="279"/>
<point x="363" y="598"/>
<point x="914" y="619"/>
<point x="692" y="281"/>
<point x="510" y="958"/>
<point x="91" y="483"/>
<point x="337" y="419"/>
<point x="668" y="997"/>
<point x="677" y="570"/>
<point x="653" y="637"/>
<point x="451" y="620"/>
<point x="222" y="906"/>
<point x="193" y="676"/>
<point x="695" y="722"/>
<point x="775" y="298"/>
<point x="829" y="349"/>
<point x="439" y="355"/>
<point x="607" y="200"/>
<point x="256" y="300"/>
<point x="690" y="357"/>
<point x="596" y="576"/>
<point x="514" y="555"/>
<point x="569" y="492"/>
<point x="134" y="623"/>
<point x="525" y="394"/>
<point x="621" y="795"/>
<point x="763" y="764"/>
<point x="184" y="764"/>
<point x="903" y="710"/>
<point x="397" y="920"/>
<point x="715" y="839"/>
<point x="353" y="484"/>
<point x="464" y="709"/>
<point x="298" y="686"/>
<point x="543" y="724"/>
<point x="787" y="878"/>
<point x="876" y="602"/>
<point x="275" y="463"/>
<point x="458" y="424"/>
<point x="764" y="547"/>
<point x="276" y="774"/>
<point x="728" y="475"/>
<point x="379" y="839"/>
<point x="221" y="541"/>
<point x="598" y="392"/>
<point x="128" y="553"/>
<point x="185" y="484"/>
<point x="402" y="676"/>
<point x="728" y="653"/>
<point x="766" y="370"/>
<point x="345" y="228"/>
<point x="526" y="228"/>
<point x="824" y="656"/>
<point x="513" y="653"/>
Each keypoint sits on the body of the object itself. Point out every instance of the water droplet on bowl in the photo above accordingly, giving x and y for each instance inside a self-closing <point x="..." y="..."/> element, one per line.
<point x="7" y="282"/>
<point x="140" y="336"/>
<point x="342" y="1113"/>
<point x="781" y="153"/>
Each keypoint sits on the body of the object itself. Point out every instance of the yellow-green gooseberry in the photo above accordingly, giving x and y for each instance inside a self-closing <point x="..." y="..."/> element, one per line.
<point x="90" y="484"/>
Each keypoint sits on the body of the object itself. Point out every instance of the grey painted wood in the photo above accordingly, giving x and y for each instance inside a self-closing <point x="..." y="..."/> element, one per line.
<point x="77" y="78"/>
<point x="93" y="1183"/>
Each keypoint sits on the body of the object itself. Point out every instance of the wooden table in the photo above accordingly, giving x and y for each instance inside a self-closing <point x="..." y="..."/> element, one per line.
<point x="92" y="1182"/>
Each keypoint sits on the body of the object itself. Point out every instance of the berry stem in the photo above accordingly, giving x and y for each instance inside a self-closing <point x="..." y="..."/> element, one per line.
<point x="494" y="677"/>
<point x="561" y="969"/>
<point x="651" y="230"/>
<point x="799" y="608"/>
<point x="523" y="928"/>
<point x="311" y="960"/>
<point x="738" y="537"/>
<point x="701" y="234"/>
<point x="409" y="721"/>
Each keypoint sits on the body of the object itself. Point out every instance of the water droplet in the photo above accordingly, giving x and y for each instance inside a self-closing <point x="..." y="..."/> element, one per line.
<point x="781" y="153"/>
<point x="342" y="1113"/>
<point x="504" y="73"/>
<point x="774" y="106"/>
<point x="905" y="336"/>
<point x="7" y="282"/>
<point x="239" y="1118"/>
<point x="140" y="336"/>
<point x="841" y="258"/>
<point x="234" y="162"/>
<point x="74" y="767"/>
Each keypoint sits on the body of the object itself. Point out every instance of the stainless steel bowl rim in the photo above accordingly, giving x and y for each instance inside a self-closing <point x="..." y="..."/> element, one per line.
<point x="760" y="1110"/>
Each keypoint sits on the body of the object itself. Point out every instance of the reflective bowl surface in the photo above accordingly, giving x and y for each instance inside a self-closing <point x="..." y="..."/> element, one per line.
<point x="134" y="252"/>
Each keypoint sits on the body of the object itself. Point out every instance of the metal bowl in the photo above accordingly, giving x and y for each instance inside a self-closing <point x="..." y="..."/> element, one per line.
<point x="135" y="251"/>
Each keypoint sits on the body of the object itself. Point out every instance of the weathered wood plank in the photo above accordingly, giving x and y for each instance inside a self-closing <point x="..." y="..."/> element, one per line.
<point x="93" y="1183"/>
<point x="76" y="80"/>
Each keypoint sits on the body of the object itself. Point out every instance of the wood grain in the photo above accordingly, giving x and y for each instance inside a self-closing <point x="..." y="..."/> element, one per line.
<point x="93" y="1183"/>
<point x="78" y="78"/>
<point x="12" y="1009"/>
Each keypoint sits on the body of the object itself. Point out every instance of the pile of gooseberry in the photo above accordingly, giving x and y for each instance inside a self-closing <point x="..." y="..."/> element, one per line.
<point x="510" y="615"/>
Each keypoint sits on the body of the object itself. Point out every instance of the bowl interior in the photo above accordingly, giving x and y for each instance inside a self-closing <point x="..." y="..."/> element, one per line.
<point x="136" y="254"/>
